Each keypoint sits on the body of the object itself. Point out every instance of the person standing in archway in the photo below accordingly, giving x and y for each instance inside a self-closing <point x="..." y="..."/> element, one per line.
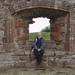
<point x="39" y="47"/>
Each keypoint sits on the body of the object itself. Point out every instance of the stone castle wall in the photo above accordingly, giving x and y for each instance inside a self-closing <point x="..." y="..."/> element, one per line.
<point x="15" y="17"/>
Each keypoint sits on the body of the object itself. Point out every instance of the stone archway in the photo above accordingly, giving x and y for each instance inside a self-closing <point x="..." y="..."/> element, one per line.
<point x="59" y="33"/>
<point x="21" y="13"/>
<point x="59" y="24"/>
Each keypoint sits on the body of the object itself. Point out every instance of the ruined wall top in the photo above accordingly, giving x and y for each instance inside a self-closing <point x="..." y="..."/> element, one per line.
<point x="16" y="5"/>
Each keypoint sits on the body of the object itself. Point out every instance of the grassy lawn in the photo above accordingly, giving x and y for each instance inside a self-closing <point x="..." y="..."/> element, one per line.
<point x="45" y="35"/>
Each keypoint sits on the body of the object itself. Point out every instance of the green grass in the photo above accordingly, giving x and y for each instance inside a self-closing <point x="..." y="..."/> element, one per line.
<point x="45" y="35"/>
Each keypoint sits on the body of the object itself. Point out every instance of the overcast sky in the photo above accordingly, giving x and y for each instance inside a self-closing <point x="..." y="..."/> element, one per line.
<point x="39" y="24"/>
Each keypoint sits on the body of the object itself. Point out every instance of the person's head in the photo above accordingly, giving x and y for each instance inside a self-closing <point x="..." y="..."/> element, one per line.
<point x="39" y="35"/>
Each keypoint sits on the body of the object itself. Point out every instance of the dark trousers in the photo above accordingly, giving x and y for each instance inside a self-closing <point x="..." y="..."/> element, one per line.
<point x="38" y="55"/>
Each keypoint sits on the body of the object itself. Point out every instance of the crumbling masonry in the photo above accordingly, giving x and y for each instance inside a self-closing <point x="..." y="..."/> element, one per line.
<point x="15" y="17"/>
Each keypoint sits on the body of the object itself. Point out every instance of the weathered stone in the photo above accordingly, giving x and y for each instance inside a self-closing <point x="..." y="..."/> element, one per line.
<point x="1" y="47"/>
<point x="1" y="65"/>
<point x="34" y="64"/>
<point x="23" y="37"/>
<point x="51" y="58"/>
<point x="61" y="29"/>
<point x="32" y="56"/>
<point x="27" y="52"/>
<point x="54" y="29"/>
<point x="8" y="65"/>
<point x="31" y="64"/>
<point x="73" y="56"/>
<point x="49" y="53"/>
<point x="16" y="58"/>
<point x="51" y="46"/>
<point x="60" y="53"/>
<point x="15" y="45"/>
<point x="43" y="65"/>
<point x="6" y="47"/>
<point x="72" y="62"/>
<point x="1" y="35"/>
<point x="52" y="63"/>
<point x="20" y="65"/>
<point x="5" y="57"/>
<point x="20" y="24"/>
<point x="56" y="36"/>
<point x="65" y="62"/>
<point x="15" y="17"/>
<point x="24" y="57"/>
<point x="19" y="53"/>
<point x="21" y="46"/>
<point x="59" y="47"/>
<point x="50" y="41"/>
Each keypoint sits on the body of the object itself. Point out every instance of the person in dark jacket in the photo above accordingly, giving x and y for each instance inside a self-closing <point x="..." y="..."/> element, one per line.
<point x="39" y="47"/>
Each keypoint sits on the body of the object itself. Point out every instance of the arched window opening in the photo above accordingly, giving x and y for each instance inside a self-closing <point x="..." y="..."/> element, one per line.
<point x="41" y="25"/>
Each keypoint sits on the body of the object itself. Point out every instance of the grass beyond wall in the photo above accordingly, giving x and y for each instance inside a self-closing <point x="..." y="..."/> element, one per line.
<point x="45" y="35"/>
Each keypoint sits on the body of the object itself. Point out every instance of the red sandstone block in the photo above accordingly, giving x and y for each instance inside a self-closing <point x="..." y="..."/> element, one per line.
<point x="20" y="24"/>
<point x="58" y="22"/>
<point x="58" y="43"/>
<point x="61" y="29"/>
<point x="62" y="24"/>
<point x="23" y="37"/>
<point x="55" y="33"/>
<point x="54" y="29"/>
<point x="26" y="30"/>
<point x="56" y="37"/>
<point x="17" y="24"/>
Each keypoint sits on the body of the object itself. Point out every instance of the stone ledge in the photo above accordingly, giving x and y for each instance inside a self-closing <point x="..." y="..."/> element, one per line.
<point x="33" y="64"/>
<point x="20" y="53"/>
